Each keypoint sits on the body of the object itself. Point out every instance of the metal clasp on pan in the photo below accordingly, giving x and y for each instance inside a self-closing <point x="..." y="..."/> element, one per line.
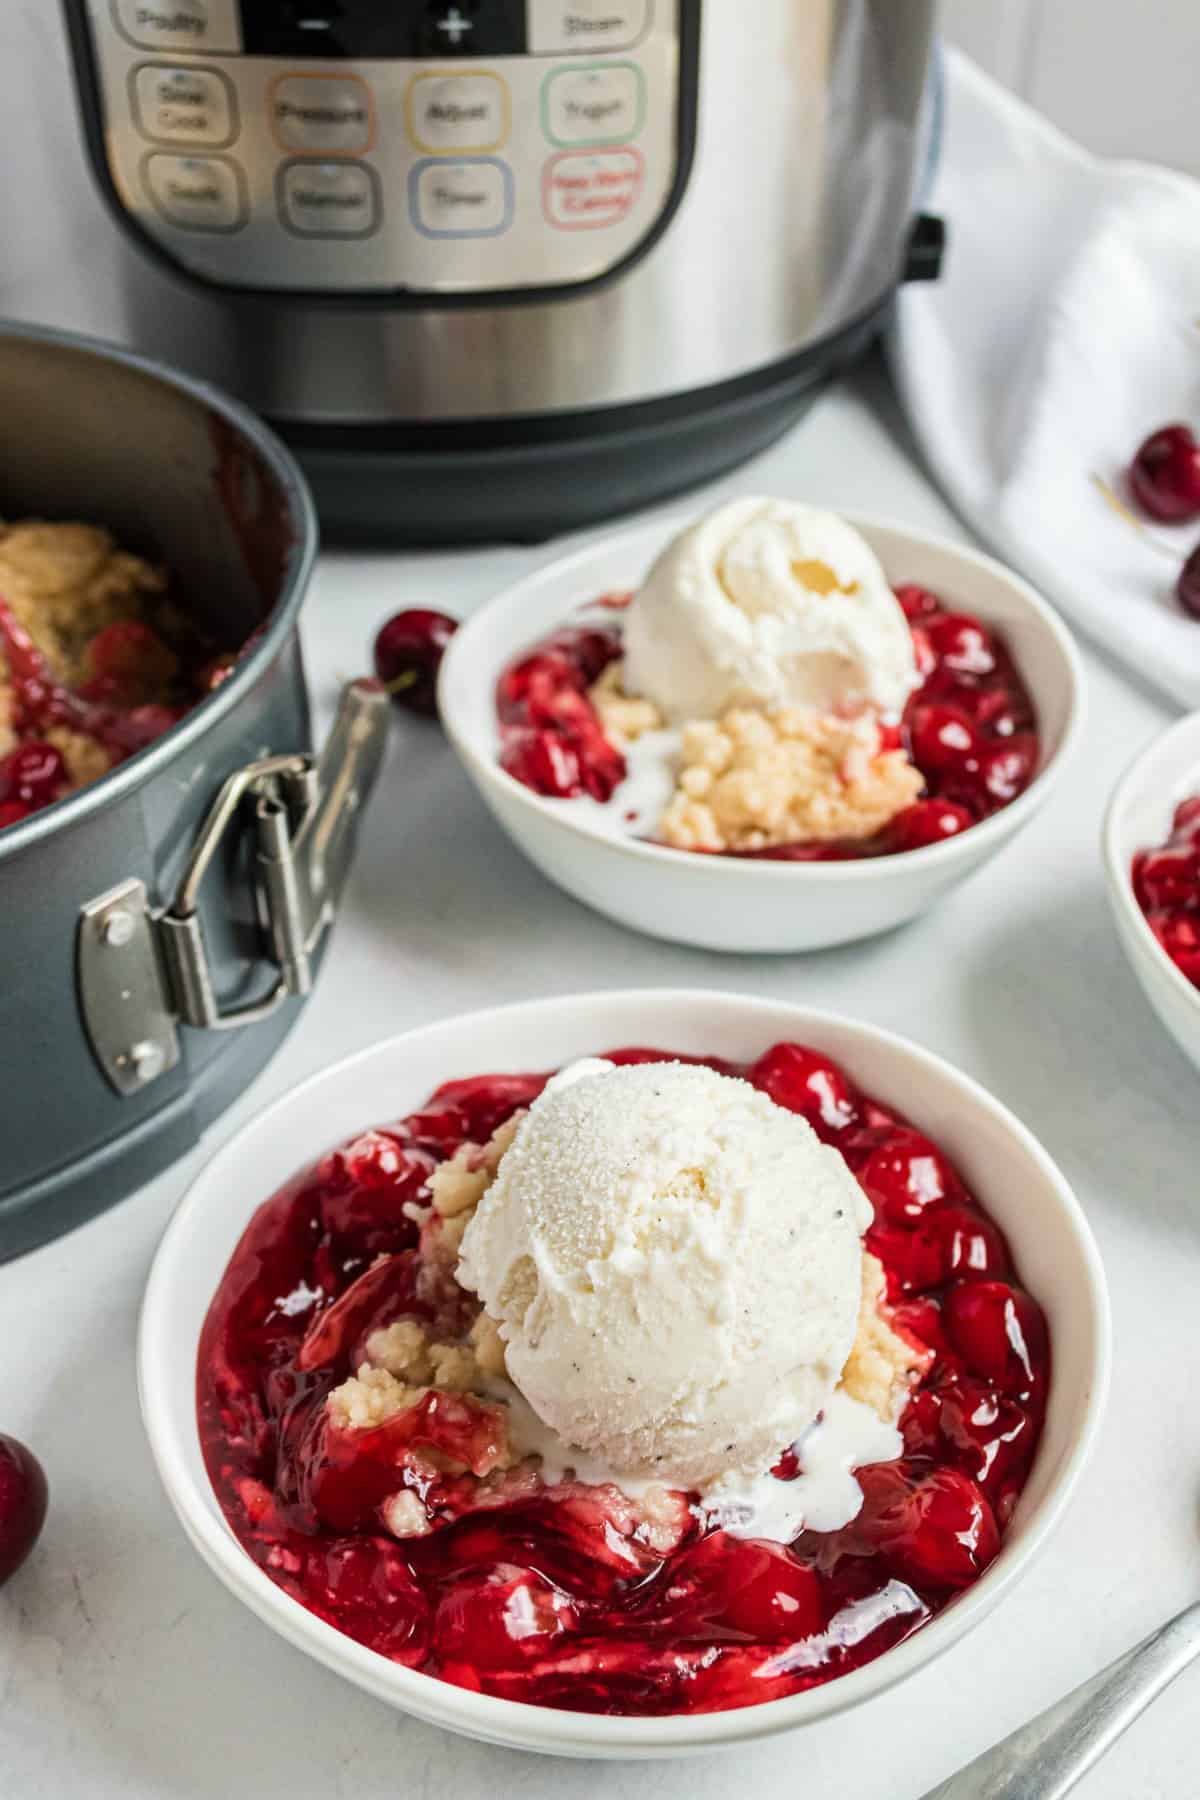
<point x="142" y="974"/>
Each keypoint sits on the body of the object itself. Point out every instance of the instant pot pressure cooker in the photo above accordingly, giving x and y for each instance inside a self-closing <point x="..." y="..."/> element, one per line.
<point x="499" y="267"/>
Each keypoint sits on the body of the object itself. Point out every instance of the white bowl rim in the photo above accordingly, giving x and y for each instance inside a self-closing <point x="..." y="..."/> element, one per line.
<point x="558" y="1729"/>
<point x="1118" y="867"/>
<point x="978" y="839"/>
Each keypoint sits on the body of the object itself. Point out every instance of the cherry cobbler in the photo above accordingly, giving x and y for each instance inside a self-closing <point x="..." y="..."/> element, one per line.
<point x="96" y="661"/>
<point x="786" y="783"/>
<point x="365" y="1442"/>
<point x="1167" y="885"/>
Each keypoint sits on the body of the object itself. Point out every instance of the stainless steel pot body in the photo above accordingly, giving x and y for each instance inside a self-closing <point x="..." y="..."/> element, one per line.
<point x="779" y="145"/>
<point x="91" y="1106"/>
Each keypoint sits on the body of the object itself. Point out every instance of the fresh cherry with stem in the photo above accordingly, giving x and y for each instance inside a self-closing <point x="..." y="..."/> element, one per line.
<point x="1165" y="475"/>
<point x="408" y="654"/>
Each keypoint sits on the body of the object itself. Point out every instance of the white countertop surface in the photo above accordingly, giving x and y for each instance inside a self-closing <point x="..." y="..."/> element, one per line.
<point x="125" y="1669"/>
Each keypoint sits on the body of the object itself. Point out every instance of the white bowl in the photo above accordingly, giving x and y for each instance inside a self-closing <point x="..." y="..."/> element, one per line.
<point x="1012" y="1175"/>
<point x="1139" y="818"/>
<point x="731" y="903"/>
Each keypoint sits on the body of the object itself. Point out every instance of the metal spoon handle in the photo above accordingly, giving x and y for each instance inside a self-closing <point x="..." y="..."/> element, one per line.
<point x="1044" y="1759"/>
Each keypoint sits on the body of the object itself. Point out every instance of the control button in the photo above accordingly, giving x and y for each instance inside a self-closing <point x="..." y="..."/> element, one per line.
<point x="328" y="199"/>
<point x="471" y="198"/>
<point x="557" y="25"/>
<point x="467" y="111"/>
<point x="201" y="193"/>
<point x="451" y="25"/>
<point x="321" y="112"/>
<point x="598" y="103"/>
<point x="581" y="192"/>
<point x="212" y="25"/>
<point x="183" y="106"/>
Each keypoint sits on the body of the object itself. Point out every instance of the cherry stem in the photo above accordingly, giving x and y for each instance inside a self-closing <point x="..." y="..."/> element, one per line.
<point x="1109" y="494"/>
<point x="403" y="682"/>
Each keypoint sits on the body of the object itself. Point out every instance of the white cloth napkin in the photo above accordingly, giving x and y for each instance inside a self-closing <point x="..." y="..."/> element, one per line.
<point x="1064" y="329"/>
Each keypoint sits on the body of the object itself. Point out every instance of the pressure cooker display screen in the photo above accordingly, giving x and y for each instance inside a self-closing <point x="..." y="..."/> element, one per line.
<point x="375" y="28"/>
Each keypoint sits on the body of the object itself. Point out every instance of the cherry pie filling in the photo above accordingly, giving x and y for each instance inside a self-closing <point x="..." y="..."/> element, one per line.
<point x="556" y="1595"/>
<point x="970" y="728"/>
<point x="1167" y="885"/>
<point x="138" y="687"/>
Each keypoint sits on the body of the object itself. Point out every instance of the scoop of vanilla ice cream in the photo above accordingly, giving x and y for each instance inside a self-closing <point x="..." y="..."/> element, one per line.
<point x="675" y="1266"/>
<point x="765" y="602"/>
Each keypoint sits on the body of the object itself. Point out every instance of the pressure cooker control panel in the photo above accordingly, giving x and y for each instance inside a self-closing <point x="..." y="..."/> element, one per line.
<point x="390" y="146"/>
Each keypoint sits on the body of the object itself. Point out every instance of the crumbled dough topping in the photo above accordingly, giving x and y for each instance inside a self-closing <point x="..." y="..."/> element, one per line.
<point x="66" y="582"/>
<point x="882" y="1366"/>
<point x="658" y="1511"/>
<point x="458" y="1185"/>
<point x="624" y="717"/>
<point x="86" y="759"/>
<point x="403" y="1350"/>
<point x="404" y="1515"/>
<point x="371" y="1398"/>
<point x="488" y="1345"/>
<point x="753" y="779"/>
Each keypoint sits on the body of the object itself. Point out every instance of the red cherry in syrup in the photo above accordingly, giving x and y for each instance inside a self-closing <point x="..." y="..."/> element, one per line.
<point x="364" y="1587"/>
<point x="946" y="1534"/>
<point x="722" y="1587"/>
<point x="590" y="652"/>
<point x="1186" y="823"/>
<point x="927" y="822"/>
<point x="488" y="1100"/>
<point x="932" y="1527"/>
<point x="943" y="738"/>
<point x="998" y="1331"/>
<point x="917" y="602"/>
<point x="408" y="653"/>
<point x="802" y="1081"/>
<point x="543" y="761"/>
<point x="1187" y="588"/>
<point x="964" y="1421"/>
<point x="920" y="1318"/>
<point x="974" y="1247"/>
<point x="144" y="725"/>
<point x="12" y="812"/>
<point x="906" y="1175"/>
<point x="1167" y="885"/>
<point x="1168" y="878"/>
<point x="33" y="774"/>
<point x="1007" y="768"/>
<point x="131" y="660"/>
<point x="524" y="689"/>
<point x="961" y="644"/>
<point x="23" y="1497"/>
<point x="501" y="1619"/>
<point x="994" y="710"/>
<point x="364" y="1189"/>
<point x="949" y="1242"/>
<point x="1165" y="475"/>
<point x="1179" y="935"/>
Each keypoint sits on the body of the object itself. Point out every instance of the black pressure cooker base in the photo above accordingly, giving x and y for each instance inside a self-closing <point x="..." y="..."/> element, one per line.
<point x="525" y="480"/>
